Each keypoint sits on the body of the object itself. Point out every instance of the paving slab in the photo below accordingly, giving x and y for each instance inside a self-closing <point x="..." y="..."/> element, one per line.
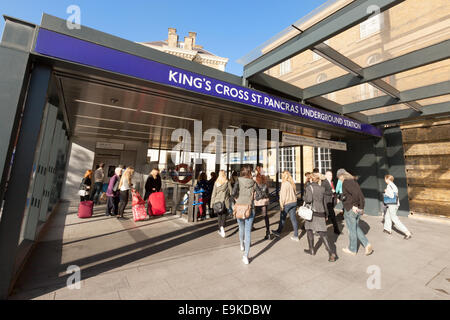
<point x="169" y="258"/>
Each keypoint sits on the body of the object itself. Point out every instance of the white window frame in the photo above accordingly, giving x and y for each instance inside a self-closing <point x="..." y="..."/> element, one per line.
<point x="318" y="162"/>
<point x="285" y="67"/>
<point x="370" y="26"/>
<point x="286" y="164"/>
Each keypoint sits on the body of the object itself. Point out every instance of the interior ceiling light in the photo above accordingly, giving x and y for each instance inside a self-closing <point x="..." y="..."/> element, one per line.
<point x="130" y="109"/>
<point x="95" y="118"/>
<point x="95" y="127"/>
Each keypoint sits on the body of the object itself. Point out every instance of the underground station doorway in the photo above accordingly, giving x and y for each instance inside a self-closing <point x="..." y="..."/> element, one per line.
<point x="146" y="126"/>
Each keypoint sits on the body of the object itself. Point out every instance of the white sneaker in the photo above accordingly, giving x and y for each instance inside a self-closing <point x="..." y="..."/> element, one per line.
<point x="295" y="239"/>
<point x="245" y="260"/>
<point x="222" y="232"/>
<point x="242" y="248"/>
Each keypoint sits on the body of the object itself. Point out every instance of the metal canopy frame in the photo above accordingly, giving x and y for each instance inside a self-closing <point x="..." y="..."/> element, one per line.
<point x="343" y="19"/>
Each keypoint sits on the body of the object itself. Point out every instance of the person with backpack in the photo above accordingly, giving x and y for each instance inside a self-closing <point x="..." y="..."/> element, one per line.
<point x="113" y="193"/>
<point x="392" y="202"/>
<point x="353" y="202"/>
<point x="288" y="205"/>
<point x="315" y="197"/>
<point x="85" y="186"/>
<point x="220" y="200"/>
<point x="243" y="192"/>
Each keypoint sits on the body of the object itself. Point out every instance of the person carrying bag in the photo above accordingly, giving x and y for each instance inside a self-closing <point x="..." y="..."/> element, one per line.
<point x="220" y="200"/>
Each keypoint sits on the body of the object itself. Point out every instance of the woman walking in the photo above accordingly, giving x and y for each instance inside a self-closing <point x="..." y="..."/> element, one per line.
<point x="315" y="196"/>
<point x="262" y="200"/>
<point x="85" y="186"/>
<point x="243" y="192"/>
<point x="220" y="200"/>
<point x="353" y="202"/>
<point x="124" y="186"/>
<point x="288" y="204"/>
<point x="390" y="216"/>
<point x="113" y="193"/>
<point x="153" y="183"/>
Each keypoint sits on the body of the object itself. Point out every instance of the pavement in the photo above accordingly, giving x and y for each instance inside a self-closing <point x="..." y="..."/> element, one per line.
<point x="169" y="258"/>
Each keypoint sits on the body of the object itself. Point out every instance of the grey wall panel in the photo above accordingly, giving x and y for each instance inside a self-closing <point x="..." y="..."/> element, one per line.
<point x="13" y="69"/>
<point x="41" y="165"/>
<point x="15" y="197"/>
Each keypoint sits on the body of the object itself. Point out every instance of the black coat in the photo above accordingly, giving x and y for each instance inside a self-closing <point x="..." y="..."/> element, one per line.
<point x="151" y="184"/>
<point x="353" y="195"/>
<point x="328" y="195"/>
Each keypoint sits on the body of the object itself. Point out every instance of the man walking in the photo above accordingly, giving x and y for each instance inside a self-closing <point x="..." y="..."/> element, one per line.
<point x="329" y="196"/>
<point x="99" y="175"/>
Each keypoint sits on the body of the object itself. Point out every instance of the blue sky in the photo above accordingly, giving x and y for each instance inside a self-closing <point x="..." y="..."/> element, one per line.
<point x="229" y="29"/>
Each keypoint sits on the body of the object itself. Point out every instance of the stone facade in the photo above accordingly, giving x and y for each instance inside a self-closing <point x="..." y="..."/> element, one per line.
<point x="188" y="49"/>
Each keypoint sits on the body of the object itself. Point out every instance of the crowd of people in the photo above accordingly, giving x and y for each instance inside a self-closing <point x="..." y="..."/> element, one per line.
<point x="118" y="188"/>
<point x="246" y="195"/>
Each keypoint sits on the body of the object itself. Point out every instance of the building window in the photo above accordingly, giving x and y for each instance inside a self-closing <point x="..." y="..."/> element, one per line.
<point x="370" y="26"/>
<point x="287" y="160"/>
<point x="322" y="78"/>
<point x="285" y="67"/>
<point x="322" y="159"/>
<point x="367" y="90"/>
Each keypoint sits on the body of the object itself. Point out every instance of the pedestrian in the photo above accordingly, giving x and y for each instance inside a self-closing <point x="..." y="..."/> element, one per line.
<point x="288" y="205"/>
<point x="233" y="179"/>
<point x="308" y="179"/>
<point x="99" y="175"/>
<point x="329" y="196"/>
<point x="220" y="200"/>
<point x="85" y="186"/>
<point x="390" y="217"/>
<point x="262" y="198"/>
<point x="353" y="203"/>
<point x="113" y="193"/>
<point x="153" y="183"/>
<point x="243" y="192"/>
<point x="202" y="185"/>
<point x="210" y="190"/>
<point x="315" y="196"/>
<point x="124" y="186"/>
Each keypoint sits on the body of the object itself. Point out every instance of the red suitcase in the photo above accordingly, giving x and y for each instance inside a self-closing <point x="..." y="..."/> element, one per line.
<point x="139" y="212"/>
<point x="156" y="204"/>
<point x="85" y="209"/>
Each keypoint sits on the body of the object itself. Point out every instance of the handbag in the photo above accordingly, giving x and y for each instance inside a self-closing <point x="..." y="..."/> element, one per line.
<point x="219" y="207"/>
<point x="305" y="210"/>
<point x="241" y="211"/>
<point x="83" y="193"/>
<point x="388" y="200"/>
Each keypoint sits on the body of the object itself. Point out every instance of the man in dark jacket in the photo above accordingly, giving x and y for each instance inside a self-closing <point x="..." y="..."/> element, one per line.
<point x="329" y="199"/>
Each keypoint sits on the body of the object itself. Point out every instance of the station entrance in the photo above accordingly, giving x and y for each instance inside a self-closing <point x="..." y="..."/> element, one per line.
<point x="83" y="97"/>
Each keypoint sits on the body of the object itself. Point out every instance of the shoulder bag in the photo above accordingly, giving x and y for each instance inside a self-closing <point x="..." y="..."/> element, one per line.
<point x="388" y="200"/>
<point x="305" y="211"/>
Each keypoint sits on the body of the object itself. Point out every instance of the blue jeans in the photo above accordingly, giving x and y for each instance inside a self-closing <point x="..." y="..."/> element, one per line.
<point x="291" y="209"/>
<point x="97" y="190"/>
<point x="354" y="231"/>
<point x="245" y="231"/>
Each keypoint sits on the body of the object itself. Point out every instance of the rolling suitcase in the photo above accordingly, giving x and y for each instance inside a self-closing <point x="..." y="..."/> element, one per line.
<point x="138" y="206"/>
<point x="85" y="209"/>
<point x="156" y="204"/>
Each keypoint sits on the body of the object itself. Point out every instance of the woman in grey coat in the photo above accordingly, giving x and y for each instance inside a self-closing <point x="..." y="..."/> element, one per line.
<point x="243" y="192"/>
<point x="220" y="200"/>
<point x="315" y="197"/>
